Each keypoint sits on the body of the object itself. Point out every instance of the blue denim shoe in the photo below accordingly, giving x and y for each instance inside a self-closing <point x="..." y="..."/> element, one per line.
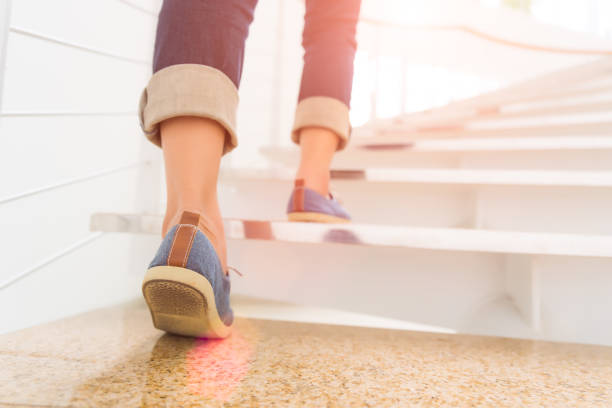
<point x="306" y="205"/>
<point x="185" y="287"/>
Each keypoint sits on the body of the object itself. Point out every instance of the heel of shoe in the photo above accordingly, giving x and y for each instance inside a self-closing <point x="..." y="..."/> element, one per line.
<point x="182" y="302"/>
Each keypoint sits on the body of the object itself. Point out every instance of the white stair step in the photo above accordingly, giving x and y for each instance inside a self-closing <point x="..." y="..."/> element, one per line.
<point x="514" y="121"/>
<point x="397" y="133"/>
<point x="498" y="144"/>
<point x="482" y="282"/>
<point x="563" y="103"/>
<point x="553" y="107"/>
<point x="438" y="176"/>
<point x="592" y="78"/>
<point x="528" y="201"/>
<point x="382" y="235"/>
<point x="544" y="153"/>
<point x="594" y="108"/>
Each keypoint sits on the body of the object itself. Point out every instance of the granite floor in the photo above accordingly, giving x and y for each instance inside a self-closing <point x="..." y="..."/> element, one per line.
<point x="115" y="358"/>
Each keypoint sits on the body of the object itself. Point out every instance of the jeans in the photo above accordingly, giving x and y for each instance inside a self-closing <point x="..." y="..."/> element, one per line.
<point x="199" y="54"/>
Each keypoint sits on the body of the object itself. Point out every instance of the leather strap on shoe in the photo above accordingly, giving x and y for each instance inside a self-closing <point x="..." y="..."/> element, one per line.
<point x="183" y="239"/>
<point x="189" y="217"/>
<point x="186" y="231"/>
<point x="298" y="195"/>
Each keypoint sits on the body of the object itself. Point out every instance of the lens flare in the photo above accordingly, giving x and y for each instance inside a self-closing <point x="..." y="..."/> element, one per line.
<point x="215" y="367"/>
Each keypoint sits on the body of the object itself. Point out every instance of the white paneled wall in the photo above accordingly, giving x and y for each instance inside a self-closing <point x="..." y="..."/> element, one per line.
<point x="67" y="79"/>
<point x="70" y="144"/>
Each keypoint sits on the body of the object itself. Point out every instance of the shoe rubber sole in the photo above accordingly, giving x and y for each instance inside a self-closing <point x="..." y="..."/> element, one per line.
<point x="182" y="302"/>
<point x="316" y="217"/>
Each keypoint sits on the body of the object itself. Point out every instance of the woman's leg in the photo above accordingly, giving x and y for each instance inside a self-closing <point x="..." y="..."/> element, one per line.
<point x="322" y="123"/>
<point x="189" y="106"/>
<point x="192" y="148"/>
<point x="317" y="148"/>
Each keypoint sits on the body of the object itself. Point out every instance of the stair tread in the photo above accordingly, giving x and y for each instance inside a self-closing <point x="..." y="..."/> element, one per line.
<point x="115" y="354"/>
<point x="447" y="176"/>
<point x="503" y="122"/>
<point x="454" y="239"/>
<point x="406" y="133"/>
<point x="377" y="146"/>
<point x="518" y="114"/>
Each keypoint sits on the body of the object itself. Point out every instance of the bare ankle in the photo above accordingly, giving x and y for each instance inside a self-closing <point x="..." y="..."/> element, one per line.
<point x="317" y="146"/>
<point x="209" y="212"/>
<point x="210" y="224"/>
<point x="316" y="180"/>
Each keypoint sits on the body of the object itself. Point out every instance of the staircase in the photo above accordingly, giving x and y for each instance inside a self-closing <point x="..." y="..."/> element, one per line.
<point x="474" y="222"/>
<point x="487" y="216"/>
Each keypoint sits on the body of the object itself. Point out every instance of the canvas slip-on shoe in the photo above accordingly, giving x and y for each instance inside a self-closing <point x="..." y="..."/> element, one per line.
<point x="186" y="287"/>
<point x="306" y="205"/>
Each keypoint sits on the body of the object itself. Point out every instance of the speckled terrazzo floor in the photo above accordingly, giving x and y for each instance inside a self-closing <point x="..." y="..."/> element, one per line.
<point x="114" y="358"/>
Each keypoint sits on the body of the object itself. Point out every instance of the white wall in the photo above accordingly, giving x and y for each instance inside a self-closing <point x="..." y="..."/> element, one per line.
<point x="69" y="146"/>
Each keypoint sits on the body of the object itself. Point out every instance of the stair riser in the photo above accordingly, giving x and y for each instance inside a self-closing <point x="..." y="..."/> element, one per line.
<point x="512" y="208"/>
<point x="544" y="109"/>
<point x="585" y="160"/>
<point x="518" y="117"/>
<point x="401" y="157"/>
<point x="513" y="122"/>
<point x="576" y="104"/>
<point x="402" y="133"/>
<point x="463" y="291"/>
<point x="437" y="287"/>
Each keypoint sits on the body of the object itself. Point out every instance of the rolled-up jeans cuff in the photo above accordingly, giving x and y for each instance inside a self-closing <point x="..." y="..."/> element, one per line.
<point x="189" y="90"/>
<point x="325" y="112"/>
